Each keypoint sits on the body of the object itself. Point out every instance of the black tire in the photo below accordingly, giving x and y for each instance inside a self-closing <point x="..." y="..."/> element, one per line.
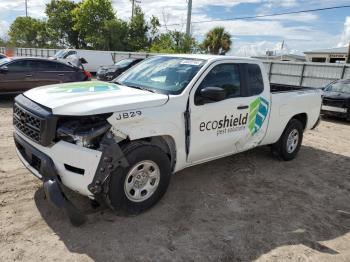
<point x="280" y="148"/>
<point x="136" y="152"/>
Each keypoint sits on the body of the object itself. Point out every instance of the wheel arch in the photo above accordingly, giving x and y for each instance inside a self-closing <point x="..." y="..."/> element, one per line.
<point x="302" y="117"/>
<point x="165" y="142"/>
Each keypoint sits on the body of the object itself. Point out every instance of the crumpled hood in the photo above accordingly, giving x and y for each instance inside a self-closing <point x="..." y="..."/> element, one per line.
<point x="93" y="97"/>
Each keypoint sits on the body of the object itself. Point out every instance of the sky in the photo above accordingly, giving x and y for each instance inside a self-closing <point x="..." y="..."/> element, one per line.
<point x="300" y="32"/>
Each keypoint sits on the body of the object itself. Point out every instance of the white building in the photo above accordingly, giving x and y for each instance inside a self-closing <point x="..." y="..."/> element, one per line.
<point x="332" y="55"/>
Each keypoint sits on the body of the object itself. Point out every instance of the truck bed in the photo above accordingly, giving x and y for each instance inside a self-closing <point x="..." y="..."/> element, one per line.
<point x="287" y="102"/>
<point x="278" y="88"/>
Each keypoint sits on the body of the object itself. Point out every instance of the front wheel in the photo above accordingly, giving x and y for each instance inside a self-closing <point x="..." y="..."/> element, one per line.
<point x="288" y="146"/>
<point x="143" y="183"/>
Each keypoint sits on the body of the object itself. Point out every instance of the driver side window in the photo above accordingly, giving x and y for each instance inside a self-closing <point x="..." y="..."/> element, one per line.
<point x="225" y="76"/>
<point x="19" y="66"/>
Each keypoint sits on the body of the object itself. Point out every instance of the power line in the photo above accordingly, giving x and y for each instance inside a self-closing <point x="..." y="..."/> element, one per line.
<point x="268" y="15"/>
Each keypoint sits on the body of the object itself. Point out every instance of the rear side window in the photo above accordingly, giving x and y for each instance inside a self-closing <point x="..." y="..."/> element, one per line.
<point x="255" y="83"/>
<point x="62" y="67"/>
<point x="42" y="66"/>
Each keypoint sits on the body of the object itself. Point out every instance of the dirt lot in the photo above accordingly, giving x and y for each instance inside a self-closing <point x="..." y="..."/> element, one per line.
<point x="240" y="208"/>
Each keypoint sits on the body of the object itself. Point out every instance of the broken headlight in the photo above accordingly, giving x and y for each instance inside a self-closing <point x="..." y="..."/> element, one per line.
<point x="83" y="131"/>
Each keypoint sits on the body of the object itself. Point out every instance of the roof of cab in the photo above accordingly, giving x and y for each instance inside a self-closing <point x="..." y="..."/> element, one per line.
<point x="209" y="57"/>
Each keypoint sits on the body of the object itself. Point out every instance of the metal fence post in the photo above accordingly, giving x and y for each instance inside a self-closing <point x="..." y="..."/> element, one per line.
<point x="302" y="75"/>
<point x="343" y="72"/>
<point x="270" y="71"/>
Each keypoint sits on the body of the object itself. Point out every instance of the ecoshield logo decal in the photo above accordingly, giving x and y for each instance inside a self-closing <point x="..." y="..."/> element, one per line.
<point x="253" y="119"/>
<point x="87" y="87"/>
<point x="258" y="110"/>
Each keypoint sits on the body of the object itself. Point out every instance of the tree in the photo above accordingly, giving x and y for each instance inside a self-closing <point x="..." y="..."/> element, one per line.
<point x="91" y="18"/>
<point x="217" y="41"/>
<point x="61" y="25"/>
<point x="138" y="28"/>
<point x="2" y="42"/>
<point x="164" y="44"/>
<point x="154" y="25"/>
<point x="115" y="35"/>
<point x="29" y="32"/>
<point x="173" y="42"/>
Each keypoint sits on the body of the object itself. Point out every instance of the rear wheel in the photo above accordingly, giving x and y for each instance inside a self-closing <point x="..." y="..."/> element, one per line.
<point x="143" y="183"/>
<point x="288" y="146"/>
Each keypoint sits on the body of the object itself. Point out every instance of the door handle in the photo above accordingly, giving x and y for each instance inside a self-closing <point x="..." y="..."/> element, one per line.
<point x="29" y="75"/>
<point x="242" y="107"/>
<point x="60" y="74"/>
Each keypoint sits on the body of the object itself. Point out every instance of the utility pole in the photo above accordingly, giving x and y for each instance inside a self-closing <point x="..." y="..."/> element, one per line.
<point x="348" y="59"/>
<point x="26" y="7"/>
<point x="133" y="6"/>
<point x="189" y="13"/>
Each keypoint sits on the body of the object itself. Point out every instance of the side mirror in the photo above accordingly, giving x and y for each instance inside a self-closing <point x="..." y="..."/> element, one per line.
<point x="4" y="69"/>
<point x="213" y="93"/>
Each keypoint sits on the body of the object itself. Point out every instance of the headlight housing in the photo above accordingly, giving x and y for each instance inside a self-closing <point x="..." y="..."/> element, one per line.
<point x="85" y="131"/>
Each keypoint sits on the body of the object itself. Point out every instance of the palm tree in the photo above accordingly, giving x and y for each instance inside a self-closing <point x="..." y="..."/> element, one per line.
<point x="217" y="41"/>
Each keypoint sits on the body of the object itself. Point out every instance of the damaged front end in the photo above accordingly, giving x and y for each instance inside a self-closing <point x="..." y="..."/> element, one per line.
<point x="51" y="148"/>
<point x="95" y="133"/>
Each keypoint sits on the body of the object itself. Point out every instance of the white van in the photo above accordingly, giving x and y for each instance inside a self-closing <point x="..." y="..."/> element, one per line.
<point x="94" y="59"/>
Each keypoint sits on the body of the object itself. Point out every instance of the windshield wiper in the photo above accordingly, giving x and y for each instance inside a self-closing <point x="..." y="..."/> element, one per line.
<point x="141" y="88"/>
<point x="136" y="87"/>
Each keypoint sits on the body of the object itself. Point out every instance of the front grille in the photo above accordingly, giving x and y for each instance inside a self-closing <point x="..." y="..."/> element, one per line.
<point x="333" y="102"/>
<point x="27" y="123"/>
<point x="34" y="121"/>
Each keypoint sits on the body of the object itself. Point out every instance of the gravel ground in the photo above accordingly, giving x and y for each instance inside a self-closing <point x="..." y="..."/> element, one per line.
<point x="240" y="208"/>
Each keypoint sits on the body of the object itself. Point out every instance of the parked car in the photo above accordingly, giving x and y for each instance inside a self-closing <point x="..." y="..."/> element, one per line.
<point x="120" y="142"/>
<point x="20" y="74"/>
<point x="107" y="73"/>
<point x="2" y="56"/>
<point x="94" y="59"/>
<point x="336" y="99"/>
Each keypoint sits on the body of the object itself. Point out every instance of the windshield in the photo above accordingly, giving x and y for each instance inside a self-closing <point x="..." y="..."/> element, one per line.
<point x="4" y="61"/>
<point x="168" y="75"/>
<point x="124" y="62"/>
<point x="341" y="87"/>
<point x="60" y="54"/>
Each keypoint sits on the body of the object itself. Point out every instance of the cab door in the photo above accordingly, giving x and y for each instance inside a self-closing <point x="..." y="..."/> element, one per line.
<point x="233" y="124"/>
<point x="17" y="78"/>
<point x="45" y="72"/>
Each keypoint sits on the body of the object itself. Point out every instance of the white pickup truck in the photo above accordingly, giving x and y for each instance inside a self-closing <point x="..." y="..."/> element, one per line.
<point x="120" y="142"/>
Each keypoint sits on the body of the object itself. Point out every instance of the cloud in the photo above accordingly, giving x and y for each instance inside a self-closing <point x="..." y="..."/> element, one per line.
<point x="345" y="37"/>
<point x="4" y="26"/>
<point x="269" y="4"/>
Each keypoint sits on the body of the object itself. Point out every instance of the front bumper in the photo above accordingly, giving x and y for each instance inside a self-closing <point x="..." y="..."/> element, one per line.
<point x="43" y="168"/>
<point x="336" y="111"/>
<point x="74" y="165"/>
<point x="78" y="168"/>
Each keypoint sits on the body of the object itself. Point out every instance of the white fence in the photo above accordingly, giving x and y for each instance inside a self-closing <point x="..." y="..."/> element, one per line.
<point x="291" y="73"/>
<point x="43" y="52"/>
<point x="306" y="74"/>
